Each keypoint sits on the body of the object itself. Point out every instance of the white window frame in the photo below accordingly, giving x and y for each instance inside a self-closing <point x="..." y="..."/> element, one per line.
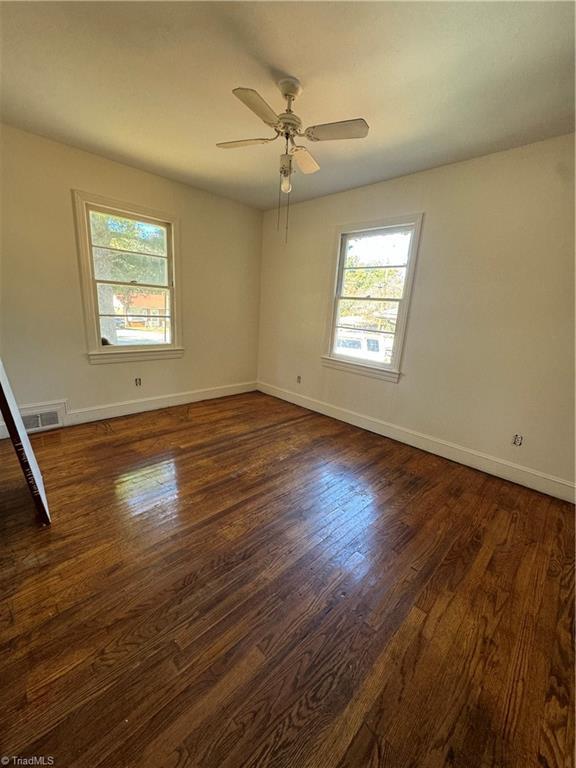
<point x="97" y="352"/>
<point x="387" y="371"/>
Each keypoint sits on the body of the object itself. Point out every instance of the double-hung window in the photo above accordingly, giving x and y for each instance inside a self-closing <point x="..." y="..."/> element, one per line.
<point x="127" y="265"/>
<point x="374" y="281"/>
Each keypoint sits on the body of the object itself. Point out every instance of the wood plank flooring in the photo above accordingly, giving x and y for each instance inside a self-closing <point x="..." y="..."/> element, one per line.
<point x="242" y="582"/>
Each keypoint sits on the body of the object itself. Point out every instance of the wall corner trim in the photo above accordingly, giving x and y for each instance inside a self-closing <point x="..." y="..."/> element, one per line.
<point x="516" y="473"/>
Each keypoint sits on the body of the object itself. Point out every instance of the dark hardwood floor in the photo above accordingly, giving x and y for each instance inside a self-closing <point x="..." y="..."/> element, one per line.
<point x="242" y="582"/>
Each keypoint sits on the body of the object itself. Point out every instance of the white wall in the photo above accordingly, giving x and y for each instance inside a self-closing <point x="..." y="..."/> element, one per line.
<point x="490" y="343"/>
<point x="44" y="347"/>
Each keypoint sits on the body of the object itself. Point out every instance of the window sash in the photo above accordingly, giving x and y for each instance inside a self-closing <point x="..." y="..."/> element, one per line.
<point x="85" y="205"/>
<point x="135" y="314"/>
<point x="125" y="250"/>
<point x="372" y="266"/>
<point x="169" y="286"/>
<point x="368" y="298"/>
<point x="408" y="224"/>
<point x="132" y="283"/>
<point x="119" y="211"/>
<point x="365" y="330"/>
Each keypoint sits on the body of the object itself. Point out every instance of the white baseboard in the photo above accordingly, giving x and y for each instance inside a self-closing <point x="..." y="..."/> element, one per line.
<point x="110" y="411"/>
<point x="531" y="478"/>
<point x="96" y="413"/>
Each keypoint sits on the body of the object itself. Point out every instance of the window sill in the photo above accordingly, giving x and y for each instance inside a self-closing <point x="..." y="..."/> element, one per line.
<point x="133" y="355"/>
<point x="364" y="369"/>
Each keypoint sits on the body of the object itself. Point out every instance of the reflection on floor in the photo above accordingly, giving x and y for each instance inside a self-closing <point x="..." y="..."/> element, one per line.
<point x="242" y="582"/>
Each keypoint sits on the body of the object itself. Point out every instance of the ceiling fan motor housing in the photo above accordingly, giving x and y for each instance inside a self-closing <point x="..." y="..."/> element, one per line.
<point x="289" y="123"/>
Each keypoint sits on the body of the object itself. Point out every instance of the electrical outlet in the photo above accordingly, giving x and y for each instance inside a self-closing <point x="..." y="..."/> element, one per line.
<point x="138" y="381"/>
<point x="298" y="379"/>
<point x="518" y="440"/>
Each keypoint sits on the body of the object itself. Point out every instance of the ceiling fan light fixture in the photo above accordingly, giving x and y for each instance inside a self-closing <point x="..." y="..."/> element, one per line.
<point x="285" y="173"/>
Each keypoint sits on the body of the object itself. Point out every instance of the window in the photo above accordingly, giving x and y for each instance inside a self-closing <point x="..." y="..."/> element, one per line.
<point x="127" y="266"/>
<point x="375" y="271"/>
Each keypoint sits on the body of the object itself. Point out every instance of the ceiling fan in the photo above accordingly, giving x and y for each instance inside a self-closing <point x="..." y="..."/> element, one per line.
<point x="289" y="126"/>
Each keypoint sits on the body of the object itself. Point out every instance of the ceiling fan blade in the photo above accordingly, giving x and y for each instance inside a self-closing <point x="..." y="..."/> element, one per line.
<point x="243" y="143"/>
<point x="304" y="160"/>
<point x="346" y="129"/>
<point x="256" y="103"/>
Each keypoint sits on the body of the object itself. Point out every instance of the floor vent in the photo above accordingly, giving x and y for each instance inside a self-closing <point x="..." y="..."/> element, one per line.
<point x="36" y="422"/>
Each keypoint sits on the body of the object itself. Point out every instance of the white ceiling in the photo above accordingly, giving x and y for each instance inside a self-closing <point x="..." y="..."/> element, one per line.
<point x="150" y="83"/>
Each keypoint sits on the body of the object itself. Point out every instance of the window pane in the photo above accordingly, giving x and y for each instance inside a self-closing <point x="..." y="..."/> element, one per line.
<point x="364" y="345"/>
<point x="371" y="315"/>
<point x="375" y="283"/>
<point x="115" y="265"/>
<point x="132" y="300"/>
<point x="112" y="231"/>
<point x="136" y="329"/>
<point x="378" y="249"/>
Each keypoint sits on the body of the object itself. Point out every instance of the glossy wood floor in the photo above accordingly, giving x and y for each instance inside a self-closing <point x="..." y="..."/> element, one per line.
<point x="242" y="582"/>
